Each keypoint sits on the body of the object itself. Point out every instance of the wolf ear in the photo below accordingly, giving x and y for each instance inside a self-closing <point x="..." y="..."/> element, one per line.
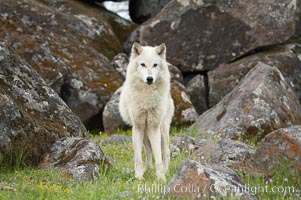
<point x="136" y="49"/>
<point x="161" y="50"/>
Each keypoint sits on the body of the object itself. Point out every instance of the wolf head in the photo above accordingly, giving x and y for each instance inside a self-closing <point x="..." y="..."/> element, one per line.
<point x="148" y="61"/>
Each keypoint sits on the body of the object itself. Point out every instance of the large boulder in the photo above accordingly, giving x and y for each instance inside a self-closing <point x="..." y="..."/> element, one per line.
<point x="32" y="114"/>
<point x="231" y="153"/>
<point x="68" y="43"/>
<point x="286" y="58"/>
<point x="141" y="10"/>
<point x="81" y="158"/>
<point x="112" y="29"/>
<point x="185" y="113"/>
<point x="201" y="34"/>
<point x="261" y="103"/>
<point x="111" y="117"/>
<point x="280" y="149"/>
<point x="195" y="181"/>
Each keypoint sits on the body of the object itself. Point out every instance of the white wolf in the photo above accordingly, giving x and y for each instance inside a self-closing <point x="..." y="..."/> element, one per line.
<point x="146" y="105"/>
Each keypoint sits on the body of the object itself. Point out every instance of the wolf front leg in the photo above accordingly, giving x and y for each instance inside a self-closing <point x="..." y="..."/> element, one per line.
<point x="148" y="152"/>
<point x="165" y="145"/>
<point x="154" y="135"/>
<point x="137" y="139"/>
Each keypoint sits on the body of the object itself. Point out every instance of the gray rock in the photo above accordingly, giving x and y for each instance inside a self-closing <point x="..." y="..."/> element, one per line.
<point x="175" y="73"/>
<point x="141" y="10"/>
<point x="261" y="103"/>
<point x="281" y="148"/>
<point x="197" y="91"/>
<point x="82" y="158"/>
<point x="182" y="143"/>
<point x="231" y="153"/>
<point x="219" y="31"/>
<point x="207" y="151"/>
<point x="224" y="78"/>
<point x="69" y="44"/>
<point x="120" y="63"/>
<point x="235" y="152"/>
<point x="194" y="180"/>
<point x="117" y="139"/>
<point x="111" y="116"/>
<point x="32" y="115"/>
<point x="185" y="113"/>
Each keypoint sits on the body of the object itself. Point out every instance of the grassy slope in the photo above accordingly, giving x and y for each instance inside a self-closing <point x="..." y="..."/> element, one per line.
<point x="54" y="184"/>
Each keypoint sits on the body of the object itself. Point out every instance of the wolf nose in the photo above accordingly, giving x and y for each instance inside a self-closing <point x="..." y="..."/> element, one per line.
<point x="149" y="80"/>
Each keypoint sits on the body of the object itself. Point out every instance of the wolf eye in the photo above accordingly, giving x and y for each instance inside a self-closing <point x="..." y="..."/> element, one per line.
<point x="142" y="64"/>
<point x="155" y="65"/>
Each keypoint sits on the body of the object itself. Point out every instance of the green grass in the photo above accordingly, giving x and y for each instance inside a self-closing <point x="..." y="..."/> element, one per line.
<point x="30" y="183"/>
<point x="54" y="184"/>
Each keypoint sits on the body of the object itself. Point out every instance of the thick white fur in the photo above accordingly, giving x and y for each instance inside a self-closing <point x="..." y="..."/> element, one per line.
<point x="148" y="108"/>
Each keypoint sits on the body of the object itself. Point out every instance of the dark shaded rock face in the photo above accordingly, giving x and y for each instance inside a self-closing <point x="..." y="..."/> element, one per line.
<point x="67" y="42"/>
<point x="142" y="10"/>
<point x="197" y="91"/>
<point x="224" y="78"/>
<point x="32" y="115"/>
<point x="81" y="158"/>
<point x="200" y="35"/>
<point x="281" y="147"/>
<point x="261" y="103"/>
<point x="206" y="181"/>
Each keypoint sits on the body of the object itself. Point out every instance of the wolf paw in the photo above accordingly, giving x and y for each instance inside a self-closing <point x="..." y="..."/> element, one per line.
<point x="139" y="177"/>
<point x="165" y="168"/>
<point x="139" y="174"/>
<point x="149" y="166"/>
<point x="161" y="177"/>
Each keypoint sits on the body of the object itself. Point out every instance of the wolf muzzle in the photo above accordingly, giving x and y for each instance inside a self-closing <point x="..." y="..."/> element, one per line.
<point x="149" y="80"/>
